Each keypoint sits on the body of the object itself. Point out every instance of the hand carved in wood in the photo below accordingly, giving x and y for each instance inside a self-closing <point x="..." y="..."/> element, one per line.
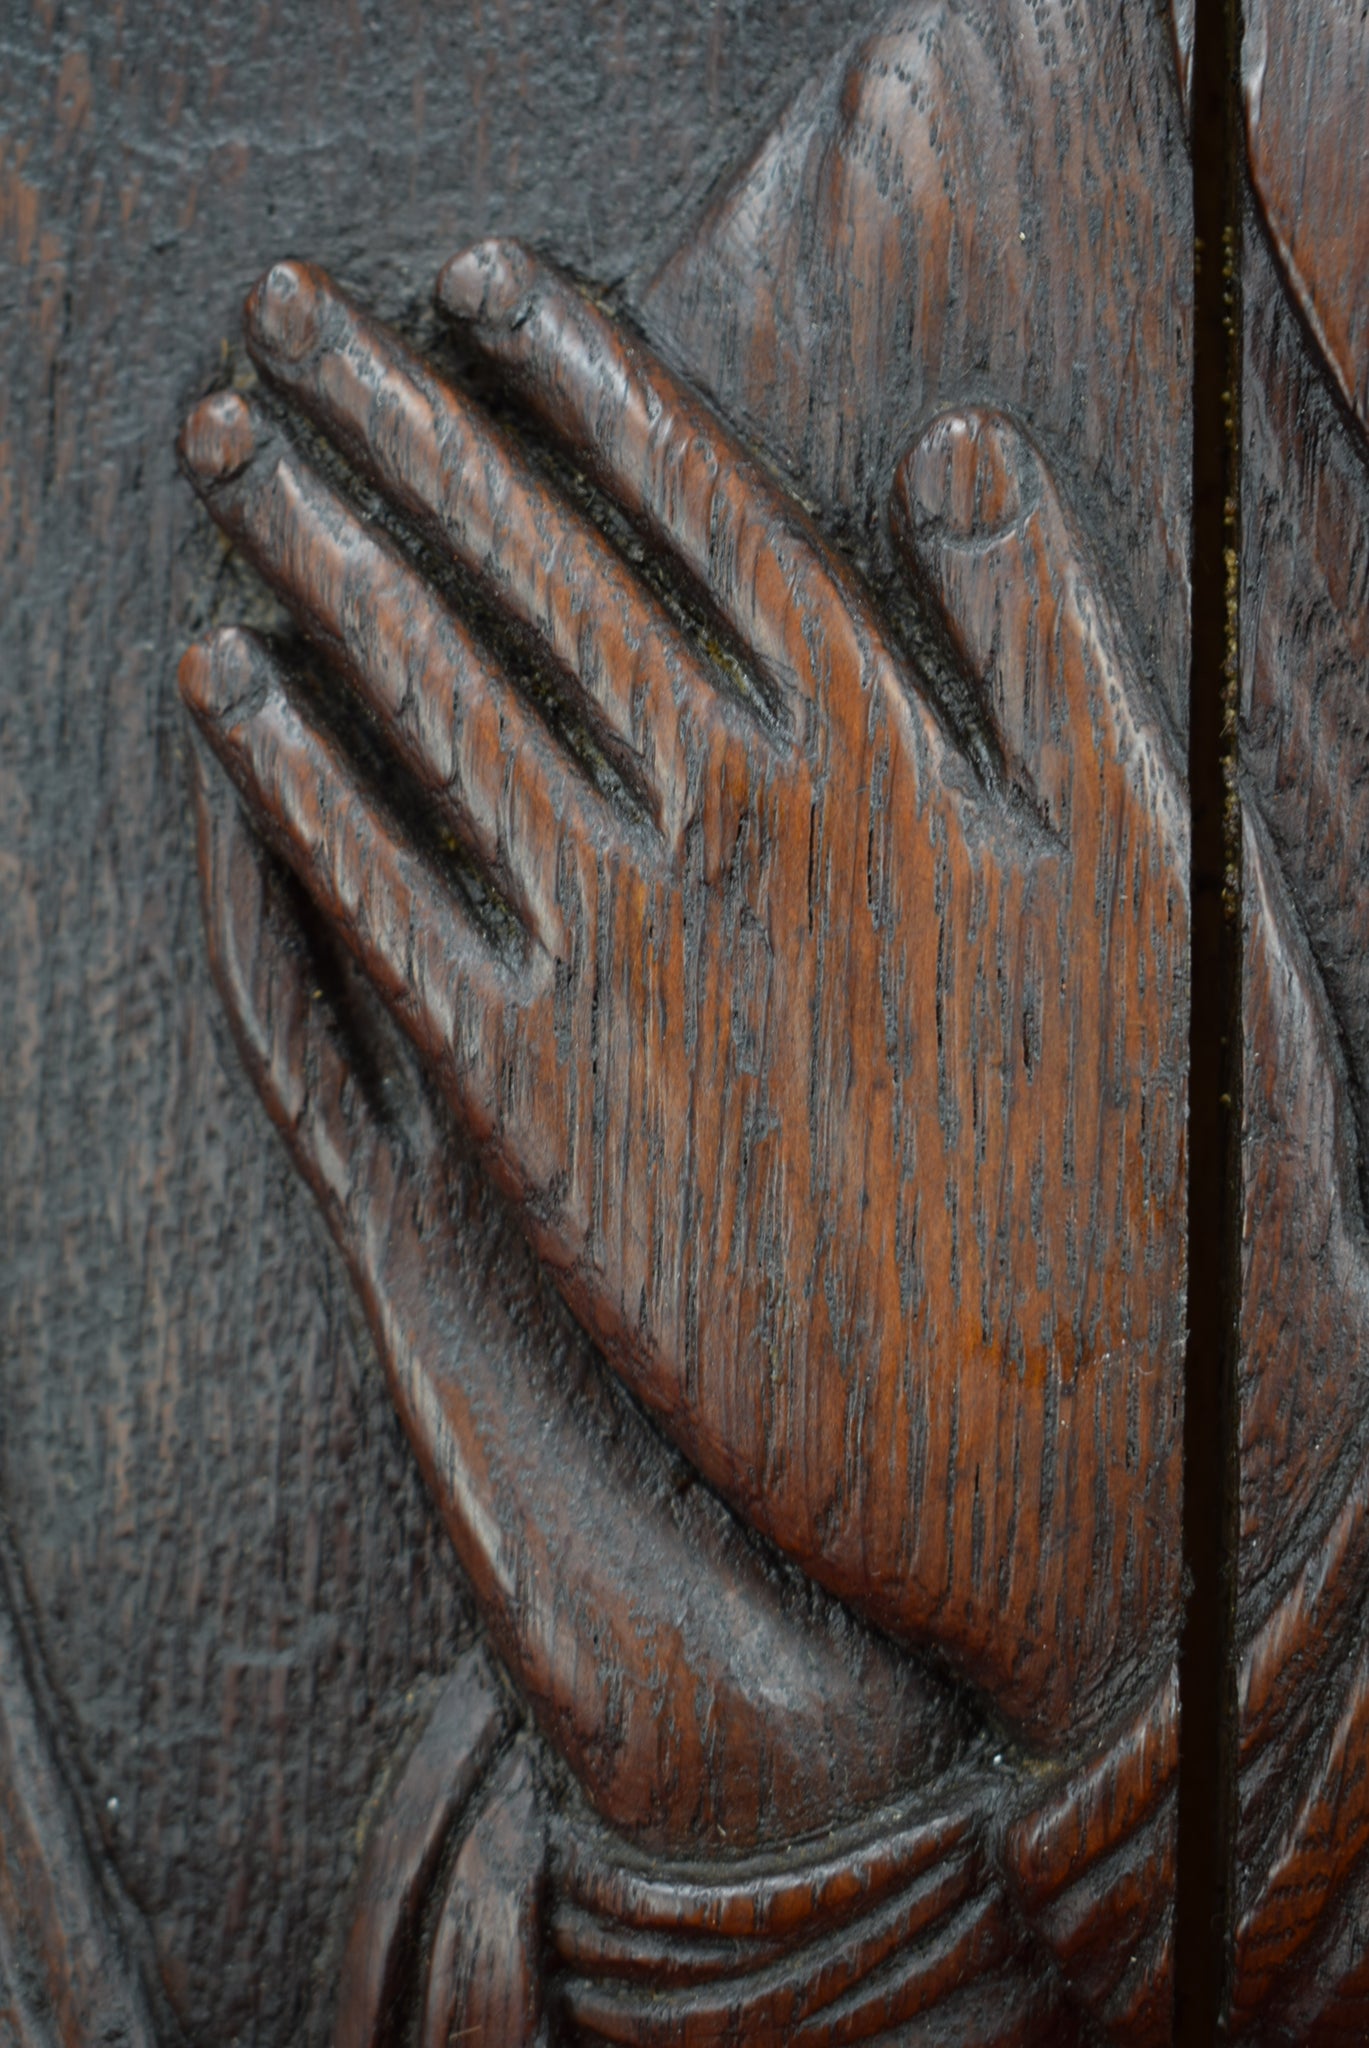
<point x="722" y="969"/>
<point x="694" y="853"/>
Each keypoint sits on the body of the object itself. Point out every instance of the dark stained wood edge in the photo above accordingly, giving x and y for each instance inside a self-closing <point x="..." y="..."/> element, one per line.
<point x="470" y="1722"/>
<point x="67" y="1977"/>
<point x="1207" y="39"/>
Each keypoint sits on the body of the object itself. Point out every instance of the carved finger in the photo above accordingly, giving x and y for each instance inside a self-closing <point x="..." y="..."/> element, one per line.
<point x="542" y="1480"/>
<point x="423" y="953"/>
<point x="670" y="463"/>
<point x="454" y="472"/>
<point x="448" y="709"/>
<point x="270" y="989"/>
<point x="979" y="520"/>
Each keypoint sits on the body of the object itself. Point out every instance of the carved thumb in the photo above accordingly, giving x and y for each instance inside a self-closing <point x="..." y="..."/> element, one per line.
<point x="981" y="526"/>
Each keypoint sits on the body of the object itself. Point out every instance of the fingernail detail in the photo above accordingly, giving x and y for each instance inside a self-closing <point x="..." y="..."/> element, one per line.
<point x="483" y="283"/>
<point x="217" y="440"/>
<point x="220" y="680"/>
<point x="971" y="476"/>
<point x="284" y="311"/>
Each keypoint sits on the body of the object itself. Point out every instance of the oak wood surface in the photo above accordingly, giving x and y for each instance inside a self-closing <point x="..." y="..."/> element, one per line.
<point x="646" y="999"/>
<point x="1302" y="1821"/>
<point x="211" y="1492"/>
<point x="773" y="1636"/>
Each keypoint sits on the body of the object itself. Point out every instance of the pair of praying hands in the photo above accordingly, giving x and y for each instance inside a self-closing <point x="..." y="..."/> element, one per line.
<point x="834" y="1080"/>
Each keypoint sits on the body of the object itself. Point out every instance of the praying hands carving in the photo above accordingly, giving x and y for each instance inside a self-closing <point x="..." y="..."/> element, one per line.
<point x="779" y="1030"/>
<point x="774" y="1021"/>
<point x="727" y="991"/>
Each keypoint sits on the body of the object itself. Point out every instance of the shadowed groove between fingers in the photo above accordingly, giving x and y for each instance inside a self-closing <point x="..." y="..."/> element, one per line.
<point x="527" y="666"/>
<point x="530" y="666"/>
<point x="1205" y="1888"/>
<point x="475" y="751"/>
<point x="320" y="817"/>
<point x="449" y="467"/>
<point x="617" y="410"/>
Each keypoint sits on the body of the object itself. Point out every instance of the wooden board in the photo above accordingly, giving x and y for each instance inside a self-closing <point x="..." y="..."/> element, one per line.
<point x="1300" y="1897"/>
<point x="241" y="1590"/>
<point x="655" y="1514"/>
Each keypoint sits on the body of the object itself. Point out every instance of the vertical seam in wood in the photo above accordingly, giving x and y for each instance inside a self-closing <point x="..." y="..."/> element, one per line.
<point x="1207" y="1682"/>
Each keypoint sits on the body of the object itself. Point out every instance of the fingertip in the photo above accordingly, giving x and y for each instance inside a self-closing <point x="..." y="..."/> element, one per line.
<point x="969" y="477"/>
<point x="218" y="439"/>
<point x="284" y="311"/>
<point x="222" y="678"/>
<point x="483" y="284"/>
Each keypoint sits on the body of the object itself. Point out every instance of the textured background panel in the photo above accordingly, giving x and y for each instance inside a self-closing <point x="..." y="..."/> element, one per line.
<point x="239" y="1584"/>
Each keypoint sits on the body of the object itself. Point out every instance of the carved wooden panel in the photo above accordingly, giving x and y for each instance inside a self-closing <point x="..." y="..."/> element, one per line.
<point x="1303" y="1720"/>
<point x="811" y="1004"/>
<point x="597" y="1139"/>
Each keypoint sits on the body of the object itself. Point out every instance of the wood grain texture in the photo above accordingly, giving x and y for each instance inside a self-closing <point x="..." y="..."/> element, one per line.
<point x="1303" y="1823"/>
<point x="70" y="1952"/>
<point x="948" y="301"/>
<point x="675" y="768"/>
<point x="611" y="1610"/>
<point x="968" y="206"/>
<point x="239" y="1585"/>
<point x="1305" y="74"/>
<point x="666" y="1067"/>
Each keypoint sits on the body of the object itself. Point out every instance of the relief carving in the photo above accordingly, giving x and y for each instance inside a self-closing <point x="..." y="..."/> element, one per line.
<point x="65" y="1929"/>
<point x="694" y="847"/>
<point x="705" y="903"/>
<point x="1302" y="1823"/>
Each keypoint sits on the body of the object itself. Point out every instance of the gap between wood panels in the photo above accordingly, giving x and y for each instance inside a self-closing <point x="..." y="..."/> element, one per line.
<point x="1207" y="1655"/>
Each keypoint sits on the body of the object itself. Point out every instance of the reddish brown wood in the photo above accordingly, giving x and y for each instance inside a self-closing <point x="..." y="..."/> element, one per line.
<point x="464" y="1735"/>
<point x="233" y="1569"/>
<point x="818" y="1008"/>
<point x="666" y="1046"/>
<point x="699" y="1697"/>
<point x="704" y="903"/>
<point x="728" y="1005"/>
